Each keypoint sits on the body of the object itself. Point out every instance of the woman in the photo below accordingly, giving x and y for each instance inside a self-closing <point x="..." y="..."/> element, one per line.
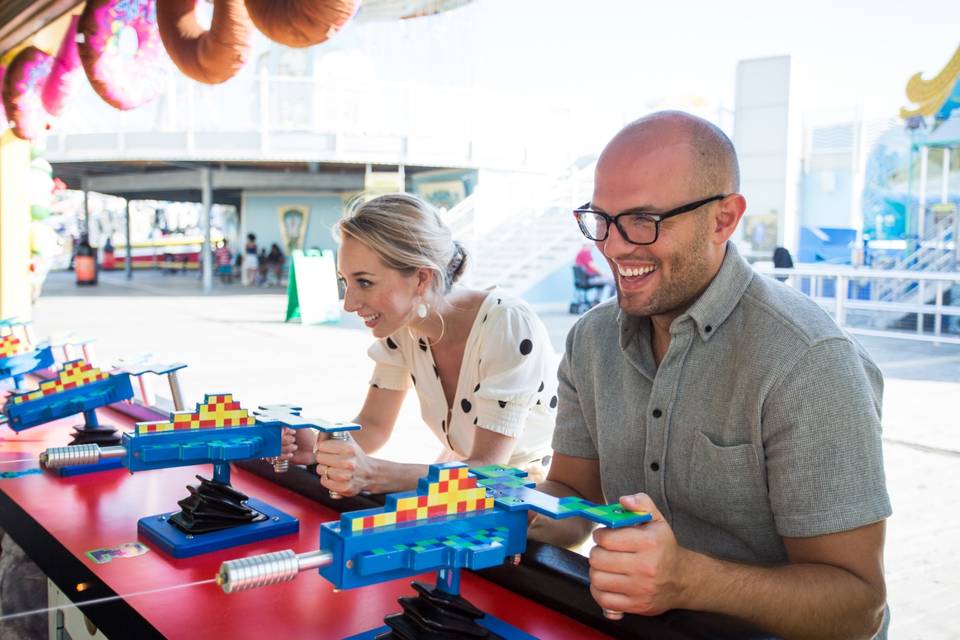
<point x="480" y="363"/>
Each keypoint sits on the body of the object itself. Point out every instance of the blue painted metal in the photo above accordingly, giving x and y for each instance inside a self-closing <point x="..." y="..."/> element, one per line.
<point x="32" y="413"/>
<point x="472" y="540"/>
<point x="17" y="366"/>
<point x="448" y="543"/>
<point x="171" y="540"/>
<point x="81" y="469"/>
<point x="145" y="452"/>
<point x="288" y="415"/>
<point x="218" y="446"/>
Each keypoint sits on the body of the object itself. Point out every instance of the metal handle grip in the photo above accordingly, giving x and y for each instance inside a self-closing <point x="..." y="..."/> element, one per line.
<point x="338" y="435"/>
<point x="243" y="574"/>
<point x="57" y="457"/>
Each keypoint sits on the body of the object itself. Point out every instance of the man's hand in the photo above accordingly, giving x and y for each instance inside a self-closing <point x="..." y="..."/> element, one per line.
<point x="637" y="569"/>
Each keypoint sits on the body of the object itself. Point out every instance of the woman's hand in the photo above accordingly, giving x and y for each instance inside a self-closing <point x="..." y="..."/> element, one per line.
<point x="296" y="445"/>
<point x="343" y="467"/>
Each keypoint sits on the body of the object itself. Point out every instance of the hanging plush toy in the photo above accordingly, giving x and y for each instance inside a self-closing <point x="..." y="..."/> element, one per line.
<point x="301" y="23"/>
<point x="121" y="51"/>
<point x="206" y="56"/>
<point x="22" y="89"/>
<point x="64" y="73"/>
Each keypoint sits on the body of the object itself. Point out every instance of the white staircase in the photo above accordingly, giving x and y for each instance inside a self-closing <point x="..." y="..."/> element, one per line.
<point x="529" y="243"/>
<point x="934" y="253"/>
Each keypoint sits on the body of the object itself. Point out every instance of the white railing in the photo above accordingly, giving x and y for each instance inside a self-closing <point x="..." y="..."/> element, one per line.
<point x="866" y="316"/>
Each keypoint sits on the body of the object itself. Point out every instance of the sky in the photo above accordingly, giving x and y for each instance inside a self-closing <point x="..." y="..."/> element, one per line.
<point x="845" y="54"/>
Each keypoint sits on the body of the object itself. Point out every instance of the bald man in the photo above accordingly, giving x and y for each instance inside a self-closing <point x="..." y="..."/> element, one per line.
<point x="725" y="403"/>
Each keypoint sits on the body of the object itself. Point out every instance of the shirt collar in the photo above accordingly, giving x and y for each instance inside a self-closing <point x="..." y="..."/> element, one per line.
<point x="722" y="295"/>
<point x="712" y="307"/>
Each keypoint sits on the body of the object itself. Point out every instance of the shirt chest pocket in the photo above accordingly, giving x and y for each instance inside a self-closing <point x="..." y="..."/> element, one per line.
<point x="726" y="484"/>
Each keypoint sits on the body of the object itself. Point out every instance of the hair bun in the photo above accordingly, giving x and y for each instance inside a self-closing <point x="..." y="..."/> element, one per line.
<point x="457" y="263"/>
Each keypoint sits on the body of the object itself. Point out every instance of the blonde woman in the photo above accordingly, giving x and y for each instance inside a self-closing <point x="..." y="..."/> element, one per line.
<point x="480" y="363"/>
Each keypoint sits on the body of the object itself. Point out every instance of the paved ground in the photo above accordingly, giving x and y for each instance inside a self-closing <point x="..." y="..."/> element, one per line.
<point x="236" y="341"/>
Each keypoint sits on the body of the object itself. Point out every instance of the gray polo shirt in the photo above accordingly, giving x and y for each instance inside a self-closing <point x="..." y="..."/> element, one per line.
<point x="761" y="422"/>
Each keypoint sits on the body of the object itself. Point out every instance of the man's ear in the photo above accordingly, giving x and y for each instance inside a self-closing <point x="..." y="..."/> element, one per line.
<point x="729" y="212"/>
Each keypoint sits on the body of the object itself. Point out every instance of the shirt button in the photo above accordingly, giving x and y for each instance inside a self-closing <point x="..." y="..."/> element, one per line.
<point x="657" y="413"/>
<point x="655" y="466"/>
<point x="708" y="328"/>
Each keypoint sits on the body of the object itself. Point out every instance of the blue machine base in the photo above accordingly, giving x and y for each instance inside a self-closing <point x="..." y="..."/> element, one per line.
<point x="158" y="531"/>
<point x="497" y="626"/>
<point x="80" y="469"/>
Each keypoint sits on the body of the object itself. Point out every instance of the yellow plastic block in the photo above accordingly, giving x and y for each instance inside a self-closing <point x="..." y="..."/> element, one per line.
<point x="383" y="519"/>
<point x="421" y="513"/>
<point x="407" y="503"/>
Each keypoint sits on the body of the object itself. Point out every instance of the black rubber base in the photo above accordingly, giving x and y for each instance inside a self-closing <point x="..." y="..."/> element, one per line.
<point x="435" y="615"/>
<point x="213" y="506"/>
<point x="103" y="436"/>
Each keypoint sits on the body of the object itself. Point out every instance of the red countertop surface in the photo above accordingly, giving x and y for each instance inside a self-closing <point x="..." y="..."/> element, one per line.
<point x="101" y="510"/>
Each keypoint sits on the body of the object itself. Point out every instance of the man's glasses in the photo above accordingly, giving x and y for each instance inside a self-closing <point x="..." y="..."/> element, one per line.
<point x="635" y="226"/>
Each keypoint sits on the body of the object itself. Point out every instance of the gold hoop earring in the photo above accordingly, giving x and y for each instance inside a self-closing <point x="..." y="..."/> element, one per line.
<point x="443" y="329"/>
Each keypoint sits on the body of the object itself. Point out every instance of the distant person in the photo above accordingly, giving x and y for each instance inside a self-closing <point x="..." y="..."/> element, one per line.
<point x="782" y="260"/>
<point x="595" y="277"/>
<point x="275" y="260"/>
<point x="251" y="261"/>
<point x="262" y="268"/>
<point x="481" y="363"/>
<point x="224" y="262"/>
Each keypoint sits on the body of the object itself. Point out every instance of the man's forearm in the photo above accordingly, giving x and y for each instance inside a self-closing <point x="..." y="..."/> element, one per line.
<point x="791" y="601"/>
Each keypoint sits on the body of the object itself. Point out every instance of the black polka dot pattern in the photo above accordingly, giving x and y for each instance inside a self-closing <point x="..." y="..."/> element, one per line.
<point x="375" y="385"/>
<point x="423" y="345"/>
<point x="484" y="319"/>
<point x="476" y="388"/>
<point x="391" y="343"/>
<point x="436" y="371"/>
<point x="475" y="421"/>
<point x="502" y="403"/>
<point x="526" y="346"/>
<point x="465" y="405"/>
<point x="541" y="388"/>
<point x="553" y="402"/>
<point x="414" y="379"/>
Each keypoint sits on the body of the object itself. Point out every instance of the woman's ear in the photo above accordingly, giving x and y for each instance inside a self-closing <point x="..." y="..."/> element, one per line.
<point x="424" y="280"/>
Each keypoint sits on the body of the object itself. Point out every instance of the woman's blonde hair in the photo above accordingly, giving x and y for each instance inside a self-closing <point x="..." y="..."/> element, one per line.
<point x="407" y="234"/>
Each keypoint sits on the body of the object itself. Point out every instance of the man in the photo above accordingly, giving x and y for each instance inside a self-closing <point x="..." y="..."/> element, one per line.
<point x="723" y="402"/>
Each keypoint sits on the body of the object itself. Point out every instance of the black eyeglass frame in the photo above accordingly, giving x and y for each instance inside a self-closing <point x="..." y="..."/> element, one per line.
<point x="656" y="218"/>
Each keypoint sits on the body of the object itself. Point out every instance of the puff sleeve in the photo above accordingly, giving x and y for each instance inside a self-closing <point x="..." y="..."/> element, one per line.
<point x="514" y="356"/>
<point x="391" y="370"/>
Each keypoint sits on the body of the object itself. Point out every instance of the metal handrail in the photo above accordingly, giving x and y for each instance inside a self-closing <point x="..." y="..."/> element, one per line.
<point x="841" y="303"/>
